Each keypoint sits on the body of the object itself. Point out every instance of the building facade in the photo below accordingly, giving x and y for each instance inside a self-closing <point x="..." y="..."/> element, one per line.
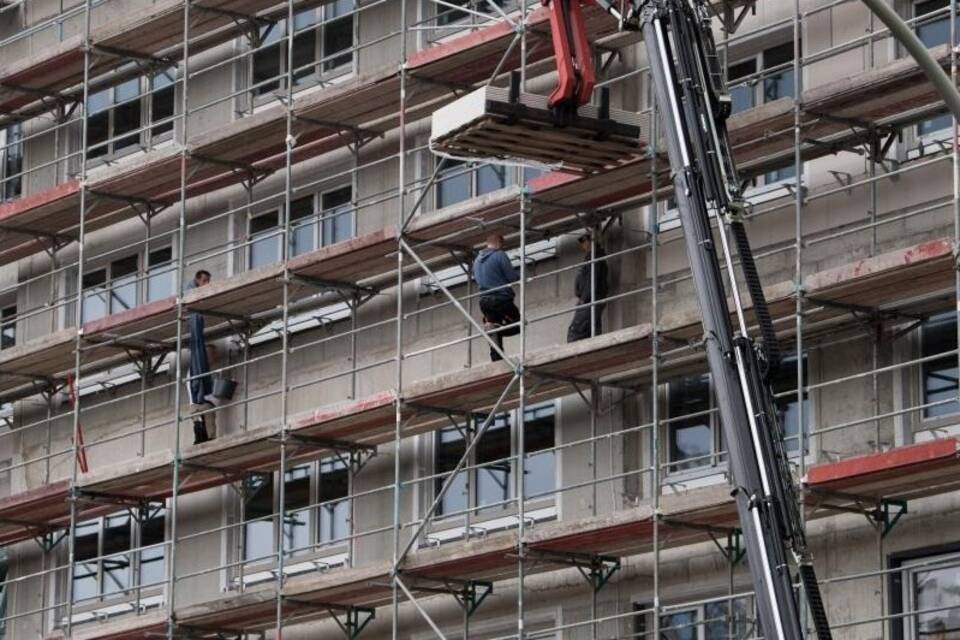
<point x="374" y="473"/>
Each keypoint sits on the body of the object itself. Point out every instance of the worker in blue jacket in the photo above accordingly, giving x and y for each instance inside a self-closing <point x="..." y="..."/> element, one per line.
<point x="495" y="275"/>
<point x="200" y="385"/>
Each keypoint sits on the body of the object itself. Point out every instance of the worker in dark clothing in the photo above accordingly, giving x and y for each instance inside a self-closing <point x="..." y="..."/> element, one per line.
<point x="201" y="382"/>
<point x="494" y="274"/>
<point x="580" y="325"/>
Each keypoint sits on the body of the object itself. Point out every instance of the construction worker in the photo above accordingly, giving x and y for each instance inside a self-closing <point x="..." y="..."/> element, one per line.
<point x="494" y="274"/>
<point x="200" y="383"/>
<point x="586" y="292"/>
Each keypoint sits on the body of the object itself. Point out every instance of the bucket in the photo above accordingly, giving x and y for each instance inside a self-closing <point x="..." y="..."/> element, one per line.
<point x="224" y="388"/>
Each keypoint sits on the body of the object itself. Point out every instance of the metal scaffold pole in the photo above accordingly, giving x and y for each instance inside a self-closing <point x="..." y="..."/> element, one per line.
<point x="179" y="380"/>
<point x="78" y="319"/>
<point x="521" y="374"/>
<point x="398" y="400"/>
<point x="655" y="454"/>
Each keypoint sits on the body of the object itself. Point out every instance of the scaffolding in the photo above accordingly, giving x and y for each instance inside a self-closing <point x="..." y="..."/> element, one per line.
<point x="367" y="409"/>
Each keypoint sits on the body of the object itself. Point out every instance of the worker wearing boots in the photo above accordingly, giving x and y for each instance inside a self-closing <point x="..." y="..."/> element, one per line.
<point x="200" y="381"/>
<point x="494" y="274"/>
<point x="588" y="292"/>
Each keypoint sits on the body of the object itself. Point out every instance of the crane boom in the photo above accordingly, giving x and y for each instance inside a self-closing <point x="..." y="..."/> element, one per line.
<point x="689" y="89"/>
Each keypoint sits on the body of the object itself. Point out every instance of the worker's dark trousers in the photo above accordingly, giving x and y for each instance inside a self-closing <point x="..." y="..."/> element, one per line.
<point x="502" y="311"/>
<point x="580" y="325"/>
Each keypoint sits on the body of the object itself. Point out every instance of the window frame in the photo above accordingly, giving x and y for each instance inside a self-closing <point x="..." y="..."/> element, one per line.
<point x="316" y="219"/>
<point x="899" y="564"/>
<point x="8" y="325"/>
<point x="135" y="589"/>
<point x="927" y="422"/>
<point x="11" y="184"/>
<point x="319" y="75"/>
<point x="640" y="620"/>
<point x="717" y="462"/>
<point x="479" y="513"/>
<point x="933" y="136"/>
<point x="317" y="549"/>
<point x="140" y="279"/>
<point x="146" y="133"/>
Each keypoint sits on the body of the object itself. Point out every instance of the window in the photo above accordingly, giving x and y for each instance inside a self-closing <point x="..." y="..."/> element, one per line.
<point x="322" y="43"/>
<point x="458" y="181"/>
<point x="933" y="33"/>
<point x="776" y="64"/>
<point x="107" y="560"/>
<point x="116" y="115"/>
<point x="787" y="406"/>
<point x="11" y="162"/>
<point x="8" y="326"/>
<point x="324" y="484"/>
<point x="492" y="468"/>
<point x="316" y="220"/>
<point x="162" y="274"/>
<point x="334" y="222"/>
<point x="693" y="432"/>
<point x="928" y="584"/>
<point x="447" y="16"/>
<point x="938" y="334"/>
<point x="714" y="620"/>
<point x="117" y="286"/>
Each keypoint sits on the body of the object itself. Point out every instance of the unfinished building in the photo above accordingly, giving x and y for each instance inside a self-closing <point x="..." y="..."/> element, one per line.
<point x="375" y="474"/>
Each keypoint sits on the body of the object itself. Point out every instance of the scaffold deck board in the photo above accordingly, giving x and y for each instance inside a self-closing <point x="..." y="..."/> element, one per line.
<point x="906" y="472"/>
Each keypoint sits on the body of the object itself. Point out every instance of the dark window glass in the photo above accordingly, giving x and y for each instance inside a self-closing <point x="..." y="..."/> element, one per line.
<point x="12" y="163"/>
<point x="450" y="447"/>
<point x="258" y="504"/>
<point x="453" y="183"/>
<point x="86" y="570"/>
<point x="117" y="539"/>
<point x="742" y="96"/>
<point x="296" y="520"/>
<point x="266" y="69"/>
<point x="447" y="15"/>
<point x="123" y="286"/>
<point x="153" y="532"/>
<point x="303" y="226"/>
<point x="333" y="495"/>
<point x="8" y="327"/>
<point x="304" y="55"/>
<point x="337" y="215"/>
<point x="493" y="464"/>
<point x="787" y="406"/>
<point x="682" y="625"/>
<point x="95" y="295"/>
<point x="163" y="102"/>
<point x="933" y="33"/>
<point x="161" y="274"/>
<point x="98" y="132"/>
<point x="265" y="241"/>
<point x="491" y="177"/>
<point x="939" y="335"/>
<point x="337" y="34"/>
<point x="539" y="475"/>
<point x="690" y="438"/>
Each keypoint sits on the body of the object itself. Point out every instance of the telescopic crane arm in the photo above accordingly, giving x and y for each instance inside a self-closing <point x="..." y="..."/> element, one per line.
<point x="694" y="106"/>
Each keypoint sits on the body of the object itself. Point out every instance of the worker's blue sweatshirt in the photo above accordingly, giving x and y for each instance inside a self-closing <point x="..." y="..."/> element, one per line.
<point x="492" y="269"/>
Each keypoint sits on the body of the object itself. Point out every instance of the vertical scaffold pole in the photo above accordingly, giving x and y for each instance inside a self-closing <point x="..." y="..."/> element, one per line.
<point x="178" y="373"/>
<point x="289" y="143"/>
<point x="521" y="419"/>
<point x="398" y="407"/>
<point x="78" y="318"/>
<point x="655" y="365"/>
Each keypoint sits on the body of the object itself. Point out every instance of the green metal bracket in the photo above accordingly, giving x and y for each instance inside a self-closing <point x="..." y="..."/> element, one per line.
<point x="473" y="594"/>
<point x="888" y="514"/>
<point x="354" y="620"/>
<point x="600" y="570"/>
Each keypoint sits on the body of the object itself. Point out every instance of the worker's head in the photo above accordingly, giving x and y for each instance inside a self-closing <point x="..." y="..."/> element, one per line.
<point x="202" y="278"/>
<point x="584" y="242"/>
<point x="495" y="241"/>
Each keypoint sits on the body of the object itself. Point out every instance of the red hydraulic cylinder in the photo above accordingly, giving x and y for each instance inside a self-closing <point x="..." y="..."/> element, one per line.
<point x="574" y="58"/>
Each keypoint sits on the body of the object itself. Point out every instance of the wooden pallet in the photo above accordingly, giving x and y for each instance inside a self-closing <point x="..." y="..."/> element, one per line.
<point x="488" y="124"/>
